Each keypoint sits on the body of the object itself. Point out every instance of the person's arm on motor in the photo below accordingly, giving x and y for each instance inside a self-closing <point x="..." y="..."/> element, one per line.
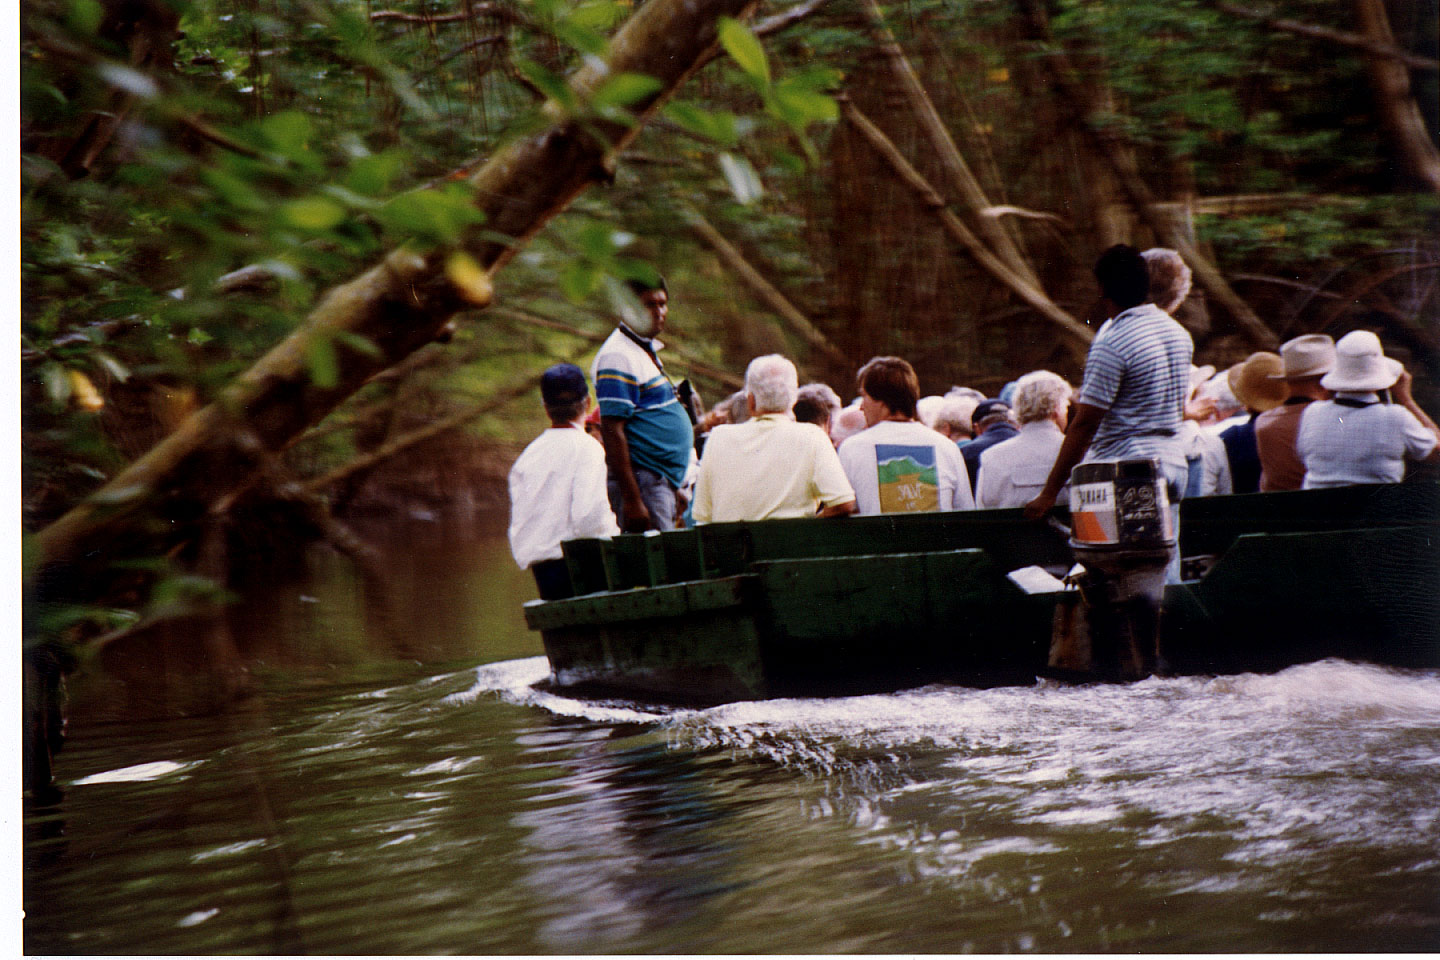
<point x="617" y="458"/>
<point x="1083" y="424"/>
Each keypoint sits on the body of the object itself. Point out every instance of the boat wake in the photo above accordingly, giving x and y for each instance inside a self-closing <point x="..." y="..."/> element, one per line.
<point x="1323" y="752"/>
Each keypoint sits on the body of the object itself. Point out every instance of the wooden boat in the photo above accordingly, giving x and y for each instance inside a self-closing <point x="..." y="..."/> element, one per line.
<point x="818" y="607"/>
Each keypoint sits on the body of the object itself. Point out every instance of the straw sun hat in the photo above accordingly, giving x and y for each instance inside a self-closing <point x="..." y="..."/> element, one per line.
<point x="1253" y="382"/>
<point x="1361" y="365"/>
<point x="1306" y="356"/>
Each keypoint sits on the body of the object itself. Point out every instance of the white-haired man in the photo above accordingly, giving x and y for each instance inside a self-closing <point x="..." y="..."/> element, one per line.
<point x="1014" y="471"/>
<point x="770" y="467"/>
<point x="953" y="418"/>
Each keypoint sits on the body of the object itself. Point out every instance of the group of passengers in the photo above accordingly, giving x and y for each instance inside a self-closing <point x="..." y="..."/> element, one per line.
<point x="1317" y="414"/>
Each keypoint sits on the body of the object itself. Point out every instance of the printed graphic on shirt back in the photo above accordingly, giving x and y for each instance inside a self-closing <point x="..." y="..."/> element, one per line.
<point x="908" y="477"/>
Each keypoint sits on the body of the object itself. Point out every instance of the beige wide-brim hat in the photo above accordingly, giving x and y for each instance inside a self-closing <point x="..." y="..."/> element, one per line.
<point x="1307" y="356"/>
<point x="1361" y="365"/>
<point x="1253" y="385"/>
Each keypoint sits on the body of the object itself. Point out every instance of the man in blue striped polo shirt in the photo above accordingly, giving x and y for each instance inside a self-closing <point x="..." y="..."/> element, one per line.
<point x="647" y="434"/>
<point x="1132" y="398"/>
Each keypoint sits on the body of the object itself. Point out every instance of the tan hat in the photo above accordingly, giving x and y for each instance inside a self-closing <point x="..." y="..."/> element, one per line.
<point x="1361" y="365"/>
<point x="1253" y="385"/>
<point x="1307" y="356"/>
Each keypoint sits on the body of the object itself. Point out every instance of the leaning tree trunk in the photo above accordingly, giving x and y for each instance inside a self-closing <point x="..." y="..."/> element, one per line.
<point x="1079" y="334"/>
<point x="401" y="303"/>
<point x="1398" y="109"/>
<point x="1108" y="144"/>
<point x="963" y="181"/>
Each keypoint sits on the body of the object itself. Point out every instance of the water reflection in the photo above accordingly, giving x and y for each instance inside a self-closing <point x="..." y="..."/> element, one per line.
<point x="360" y="802"/>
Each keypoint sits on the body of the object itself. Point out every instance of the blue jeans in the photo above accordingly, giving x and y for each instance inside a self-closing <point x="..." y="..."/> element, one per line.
<point x="655" y="491"/>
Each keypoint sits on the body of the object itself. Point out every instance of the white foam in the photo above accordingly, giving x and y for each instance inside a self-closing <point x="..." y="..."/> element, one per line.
<point x="153" y="770"/>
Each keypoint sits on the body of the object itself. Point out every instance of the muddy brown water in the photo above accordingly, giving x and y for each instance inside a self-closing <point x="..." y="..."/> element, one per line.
<point x="411" y="791"/>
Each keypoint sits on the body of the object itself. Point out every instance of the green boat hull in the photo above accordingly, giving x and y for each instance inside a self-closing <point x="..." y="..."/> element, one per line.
<point x="804" y="607"/>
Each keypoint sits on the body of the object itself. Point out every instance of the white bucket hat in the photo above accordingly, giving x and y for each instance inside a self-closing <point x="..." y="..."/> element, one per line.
<point x="1307" y="356"/>
<point x="1361" y="365"/>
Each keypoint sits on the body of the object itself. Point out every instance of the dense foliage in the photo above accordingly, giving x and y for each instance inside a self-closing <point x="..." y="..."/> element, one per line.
<point x="168" y="144"/>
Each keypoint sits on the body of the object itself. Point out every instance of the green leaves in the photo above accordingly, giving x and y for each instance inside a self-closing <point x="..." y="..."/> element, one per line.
<point x="320" y="360"/>
<point x="797" y="100"/>
<point x="84" y="16"/>
<point x="745" y="49"/>
<point x="596" y="260"/>
<point x="438" y="216"/>
<point x="722" y="126"/>
<point x="623" y="90"/>
<point x="314" y="213"/>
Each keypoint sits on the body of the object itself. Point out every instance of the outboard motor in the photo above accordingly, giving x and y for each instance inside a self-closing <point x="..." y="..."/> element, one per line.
<point x="1122" y="534"/>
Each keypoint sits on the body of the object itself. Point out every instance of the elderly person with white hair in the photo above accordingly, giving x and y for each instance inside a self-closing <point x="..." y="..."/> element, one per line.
<point x="770" y="466"/>
<point x="1356" y="437"/>
<point x="817" y="403"/>
<point x="1013" y="471"/>
<point x="1169" y="278"/>
<point x="953" y="418"/>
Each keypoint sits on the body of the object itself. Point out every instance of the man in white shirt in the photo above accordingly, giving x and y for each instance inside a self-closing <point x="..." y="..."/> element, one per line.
<point x="770" y="467"/>
<point x="1355" y="437"/>
<point x="1013" y="471"/>
<point x="557" y="486"/>
<point x="897" y="464"/>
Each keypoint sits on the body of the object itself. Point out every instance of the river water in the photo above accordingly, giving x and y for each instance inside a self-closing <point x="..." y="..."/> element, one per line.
<point x="414" y="793"/>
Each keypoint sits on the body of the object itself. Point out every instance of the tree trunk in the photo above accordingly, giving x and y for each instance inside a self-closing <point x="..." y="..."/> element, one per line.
<point x="1398" y="110"/>
<point x="400" y="304"/>
<point x="1110" y="146"/>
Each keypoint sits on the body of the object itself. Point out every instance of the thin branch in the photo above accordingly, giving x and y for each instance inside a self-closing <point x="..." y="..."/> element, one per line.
<point x="507" y="394"/>
<point x="786" y="18"/>
<point x="962" y="234"/>
<point x="209" y="134"/>
<point x="962" y="180"/>
<point x="503" y="11"/>
<point x="1342" y="37"/>
<point x="1010" y="210"/>
<point x="1309" y="288"/>
<point x="763" y="290"/>
<point x="472" y="46"/>
<point x="527" y="318"/>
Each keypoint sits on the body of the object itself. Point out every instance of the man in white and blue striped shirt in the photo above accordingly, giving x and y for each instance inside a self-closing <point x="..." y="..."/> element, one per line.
<point x="1132" y="398"/>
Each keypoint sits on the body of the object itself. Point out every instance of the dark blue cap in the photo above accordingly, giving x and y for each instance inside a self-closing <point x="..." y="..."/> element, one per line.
<point x="561" y="384"/>
<point x="985" y="408"/>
